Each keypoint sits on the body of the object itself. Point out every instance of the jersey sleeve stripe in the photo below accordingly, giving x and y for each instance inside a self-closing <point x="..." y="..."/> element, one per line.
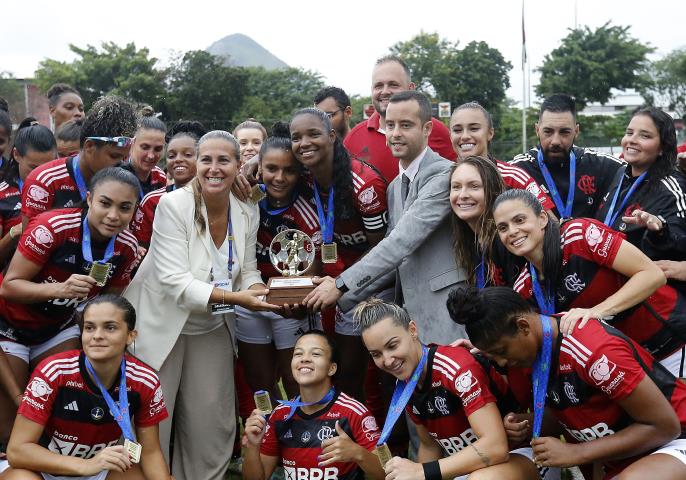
<point x="514" y="173"/>
<point x="3" y="186"/>
<point x="578" y="353"/>
<point x="521" y="281"/>
<point x="674" y="187"/>
<point x="61" y="362"/>
<point x="451" y="363"/>
<point x="573" y="355"/>
<point x="57" y="169"/>
<point x="53" y="178"/>
<point x="62" y="371"/>
<point x="67" y="217"/>
<point x="375" y="223"/>
<point x="306" y="214"/>
<point x="68" y="226"/>
<point x="350" y="399"/>
<point x="351" y="406"/>
<point x="358" y="182"/>
<point x="572" y="239"/>
<point x="445" y="373"/>
<point x="146" y="372"/>
<point x="579" y="345"/>
<point x="155" y="193"/>
<point x="142" y="380"/>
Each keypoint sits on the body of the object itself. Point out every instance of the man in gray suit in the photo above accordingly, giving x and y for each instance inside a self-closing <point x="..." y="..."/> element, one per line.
<point x="417" y="251"/>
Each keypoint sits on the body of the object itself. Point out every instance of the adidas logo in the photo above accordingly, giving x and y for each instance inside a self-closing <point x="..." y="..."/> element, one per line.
<point x="683" y="452"/>
<point x="71" y="259"/>
<point x="72" y="406"/>
<point x="17" y="206"/>
<point x="69" y="204"/>
<point x="288" y="434"/>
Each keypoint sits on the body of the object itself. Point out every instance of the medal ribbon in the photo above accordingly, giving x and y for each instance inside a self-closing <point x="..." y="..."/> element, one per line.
<point x="78" y="177"/>
<point x="481" y="274"/>
<point x="264" y="204"/>
<point x="611" y="216"/>
<point x="20" y="184"/>
<point x="326" y="221"/>
<point x="120" y="412"/>
<point x="230" y="238"/>
<point x="565" y="211"/>
<point x="86" y="249"/>
<point x="541" y="374"/>
<point x="401" y="395"/>
<point x="546" y="304"/>
<point x="296" y="403"/>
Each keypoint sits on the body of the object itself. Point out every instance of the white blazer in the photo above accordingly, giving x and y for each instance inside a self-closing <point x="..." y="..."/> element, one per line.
<point x="174" y="278"/>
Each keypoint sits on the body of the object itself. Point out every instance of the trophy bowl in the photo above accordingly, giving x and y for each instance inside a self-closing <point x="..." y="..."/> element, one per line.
<point x="292" y="253"/>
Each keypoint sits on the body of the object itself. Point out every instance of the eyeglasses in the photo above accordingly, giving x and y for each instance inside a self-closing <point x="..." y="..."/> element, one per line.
<point x="118" y="141"/>
<point x="333" y="114"/>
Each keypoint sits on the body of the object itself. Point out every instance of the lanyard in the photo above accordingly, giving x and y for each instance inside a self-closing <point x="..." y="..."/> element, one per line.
<point x="264" y="204"/>
<point x="611" y="216"/>
<point x="86" y="248"/>
<point x="78" y="178"/>
<point x="401" y="395"/>
<point x="326" y="222"/>
<point x="230" y="238"/>
<point x="481" y="274"/>
<point x="120" y="412"/>
<point x="565" y="211"/>
<point x="546" y="304"/>
<point x="541" y="374"/>
<point x="20" y="184"/>
<point x="296" y="403"/>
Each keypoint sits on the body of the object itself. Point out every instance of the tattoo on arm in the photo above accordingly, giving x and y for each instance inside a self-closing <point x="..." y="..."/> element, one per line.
<point x="484" y="458"/>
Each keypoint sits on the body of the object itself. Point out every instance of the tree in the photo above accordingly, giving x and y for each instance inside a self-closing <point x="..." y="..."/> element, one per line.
<point x="439" y="68"/>
<point x="11" y="89"/>
<point x="110" y="70"/>
<point x="669" y="81"/>
<point x="590" y="63"/>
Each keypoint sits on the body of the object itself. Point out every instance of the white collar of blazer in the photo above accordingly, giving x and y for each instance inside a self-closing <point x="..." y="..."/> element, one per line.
<point x="238" y="224"/>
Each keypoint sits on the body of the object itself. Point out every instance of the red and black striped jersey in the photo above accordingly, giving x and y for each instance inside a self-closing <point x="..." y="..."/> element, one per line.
<point x="50" y="186"/>
<point x="53" y="241"/>
<point x="517" y="178"/>
<point x="589" y="249"/>
<point x="62" y="397"/>
<point x="10" y="206"/>
<point x="156" y="180"/>
<point x="458" y="386"/>
<point x="141" y="225"/>
<point x="370" y="215"/>
<point x="297" y="441"/>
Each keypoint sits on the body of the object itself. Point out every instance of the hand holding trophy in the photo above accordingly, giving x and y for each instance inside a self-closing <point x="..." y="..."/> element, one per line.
<point x="292" y="253"/>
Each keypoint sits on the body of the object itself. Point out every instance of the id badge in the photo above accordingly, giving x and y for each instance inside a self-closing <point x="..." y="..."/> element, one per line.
<point x="134" y="450"/>
<point x="222" y="308"/>
<point x="100" y="272"/>
<point x="329" y="252"/>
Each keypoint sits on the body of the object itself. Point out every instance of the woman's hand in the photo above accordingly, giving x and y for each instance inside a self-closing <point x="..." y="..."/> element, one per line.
<point x="255" y="428"/>
<point x="517" y="428"/>
<point x="255" y="300"/>
<point x="340" y="448"/>
<point x="76" y="286"/>
<point x="113" y="458"/>
<point x="552" y="452"/>
<point x="403" y="469"/>
<point x="569" y="319"/>
<point x="241" y="188"/>
<point x="644" y="219"/>
<point x="673" y="270"/>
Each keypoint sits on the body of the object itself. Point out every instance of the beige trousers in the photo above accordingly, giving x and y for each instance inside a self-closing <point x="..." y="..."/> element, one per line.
<point x="198" y="384"/>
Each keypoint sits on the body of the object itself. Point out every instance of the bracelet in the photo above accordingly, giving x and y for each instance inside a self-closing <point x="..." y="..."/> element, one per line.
<point x="223" y="299"/>
<point x="432" y="470"/>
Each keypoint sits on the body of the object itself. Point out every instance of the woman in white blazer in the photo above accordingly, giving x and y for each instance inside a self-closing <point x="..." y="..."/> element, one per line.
<point x="184" y="293"/>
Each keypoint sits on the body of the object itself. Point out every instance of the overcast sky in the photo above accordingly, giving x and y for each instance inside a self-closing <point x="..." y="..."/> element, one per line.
<point x="340" y="39"/>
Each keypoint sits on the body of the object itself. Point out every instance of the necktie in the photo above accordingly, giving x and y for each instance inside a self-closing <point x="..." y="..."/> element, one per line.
<point x="405" y="188"/>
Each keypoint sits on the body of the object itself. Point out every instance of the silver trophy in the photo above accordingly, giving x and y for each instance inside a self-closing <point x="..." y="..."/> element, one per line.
<point x="292" y="253"/>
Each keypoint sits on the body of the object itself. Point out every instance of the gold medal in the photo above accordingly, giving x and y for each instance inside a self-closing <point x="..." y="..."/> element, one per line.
<point x="262" y="401"/>
<point x="256" y="194"/>
<point x="134" y="450"/>
<point x="384" y="453"/>
<point x="100" y="272"/>
<point x="329" y="252"/>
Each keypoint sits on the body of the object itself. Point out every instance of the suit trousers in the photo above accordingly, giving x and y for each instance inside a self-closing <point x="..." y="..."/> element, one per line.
<point x="198" y="384"/>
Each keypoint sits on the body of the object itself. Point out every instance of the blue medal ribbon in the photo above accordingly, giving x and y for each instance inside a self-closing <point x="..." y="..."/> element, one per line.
<point x="78" y="177"/>
<point x="546" y="304"/>
<point x="86" y="248"/>
<point x="264" y="204"/>
<point x="401" y="395"/>
<point x="326" y="221"/>
<point x="230" y="238"/>
<point x="120" y="412"/>
<point x="481" y="274"/>
<point x="565" y="211"/>
<point x="20" y="184"/>
<point x="296" y="403"/>
<point x="611" y="216"/>
<point x="541" y="374"/>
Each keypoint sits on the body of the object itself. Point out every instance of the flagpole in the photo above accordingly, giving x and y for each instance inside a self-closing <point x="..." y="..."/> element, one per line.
<point x="524" y="89"/>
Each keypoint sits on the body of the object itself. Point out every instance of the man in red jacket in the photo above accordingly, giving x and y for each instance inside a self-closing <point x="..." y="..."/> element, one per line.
<point x="367" y="140"/>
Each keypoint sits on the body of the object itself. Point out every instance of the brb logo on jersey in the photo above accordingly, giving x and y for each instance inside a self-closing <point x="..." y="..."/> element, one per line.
<point x="602" y="369"/>
<point x="465" y="382"/>
<point x="40" y="389"/>
<point x="300" y="473"/>
<point x="39" y="194"/>
<point x="42" y="236"/>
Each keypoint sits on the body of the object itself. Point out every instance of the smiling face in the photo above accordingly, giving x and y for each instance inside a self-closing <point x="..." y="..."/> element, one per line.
<point x="641" y="143"/>
<point x="519" y="228"/>
<point x="250" y="141"/>
<point x="111" y="206"/>
<point x="311" y="363"/>
<point x="394" y="349"/>
<point x="217" y="165"/>
<point x="470" y="133"/>
<point x="467" y="195"/>
<point x="105" y="333"/>
<point x="280" y="173"/>
<point x="146" y="150"/>
<point x="312" y="144"/>
<point x="181" y="153"/>
<point x="388" y="78"/>
<point x="406" y="134"/>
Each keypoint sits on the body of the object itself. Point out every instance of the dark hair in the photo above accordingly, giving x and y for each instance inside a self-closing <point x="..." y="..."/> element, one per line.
<point x="552" y="246"/>
<point x="330" y="342"/>
<point x="558" y="103"/>
<point x="32" y="137"/>
<point x="467" y="244"/>
<point x="420" y="98"/>
<point x="27" y="122"/>
<point x="370" y="312"/>
<point x="151" y="123"/>
<point x="396" y="59"/>
<point x="118" y="301"/>
<point x="115" y="174"/>
<point x="342" y="170"/>
<point x="250" y="123"/>
<point x="486" y="114"/>
<point x="279" y="140"/>
<point x="69" y="131"/>
<point x="6" y="122"/>
<point x="487" y="314"/>
<point x="4" y="106"/>
<point x="57" y="90"/>
<point x="666" y="162"/>
<point x="186" y="128"/>
<point x="109" y="116"/>
<point x="338" y="94"/>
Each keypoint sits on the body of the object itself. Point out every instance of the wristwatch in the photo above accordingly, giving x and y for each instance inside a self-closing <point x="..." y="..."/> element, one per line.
<point x="340" y="284"/>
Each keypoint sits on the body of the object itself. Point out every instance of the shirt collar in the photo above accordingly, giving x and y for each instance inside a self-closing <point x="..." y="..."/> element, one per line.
<point x="412" y="170"/>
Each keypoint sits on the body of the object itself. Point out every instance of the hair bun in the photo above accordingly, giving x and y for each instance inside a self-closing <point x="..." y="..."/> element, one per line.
<point x="281" y="129"/>
<point x="465" y="305"/>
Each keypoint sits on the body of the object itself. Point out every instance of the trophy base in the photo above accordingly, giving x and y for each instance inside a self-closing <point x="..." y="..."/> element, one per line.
<point x="290" y="290"/>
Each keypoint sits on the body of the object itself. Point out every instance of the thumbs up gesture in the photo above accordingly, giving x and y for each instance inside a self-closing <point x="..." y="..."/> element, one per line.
<point x="340" y="448"/>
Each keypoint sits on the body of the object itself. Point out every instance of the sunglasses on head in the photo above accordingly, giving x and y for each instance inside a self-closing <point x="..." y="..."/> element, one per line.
<point x="118" y="141"/>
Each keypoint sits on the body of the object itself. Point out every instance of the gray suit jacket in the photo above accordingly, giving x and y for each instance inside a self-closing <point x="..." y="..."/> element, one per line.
<point x="417" y="252"/>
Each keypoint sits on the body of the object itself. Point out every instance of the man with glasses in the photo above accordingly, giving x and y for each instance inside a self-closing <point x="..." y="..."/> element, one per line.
<point x="367" y="140"/>
<point x="105" y="142"/>
<point x="336" y="103"/>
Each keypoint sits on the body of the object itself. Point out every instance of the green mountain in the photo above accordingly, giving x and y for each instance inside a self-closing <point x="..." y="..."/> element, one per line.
<point x="242" y="51"/>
